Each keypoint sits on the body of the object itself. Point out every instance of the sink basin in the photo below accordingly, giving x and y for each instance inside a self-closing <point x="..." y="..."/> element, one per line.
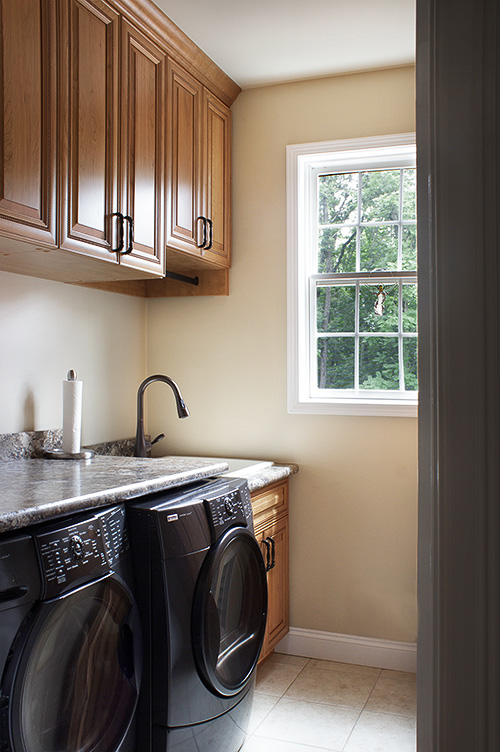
<point x="239" y="468"/>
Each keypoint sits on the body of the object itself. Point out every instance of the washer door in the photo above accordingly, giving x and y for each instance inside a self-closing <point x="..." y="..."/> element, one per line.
<point x="229" y="612"/>
<point x="75" y="682"/>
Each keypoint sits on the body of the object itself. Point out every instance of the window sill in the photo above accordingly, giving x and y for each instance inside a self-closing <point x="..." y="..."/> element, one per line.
<point x="380" y="408"/>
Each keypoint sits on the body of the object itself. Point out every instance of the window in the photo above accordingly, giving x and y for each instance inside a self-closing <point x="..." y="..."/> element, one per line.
<point x="352" y="277"/>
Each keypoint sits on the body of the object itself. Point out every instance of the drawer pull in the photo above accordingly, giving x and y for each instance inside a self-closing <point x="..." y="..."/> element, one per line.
<point x="273" y="552"/>
<point x="268" y="553"/>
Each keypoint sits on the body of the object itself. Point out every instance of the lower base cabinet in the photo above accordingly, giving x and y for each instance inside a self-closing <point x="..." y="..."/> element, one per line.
<point x="270" y="510"/>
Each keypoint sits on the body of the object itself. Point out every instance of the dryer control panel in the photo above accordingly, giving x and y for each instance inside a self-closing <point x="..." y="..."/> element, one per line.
<point x="231" y="506"/>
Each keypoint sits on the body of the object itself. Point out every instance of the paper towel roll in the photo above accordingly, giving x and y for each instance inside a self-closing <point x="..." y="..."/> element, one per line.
<point x="72" y="414"/>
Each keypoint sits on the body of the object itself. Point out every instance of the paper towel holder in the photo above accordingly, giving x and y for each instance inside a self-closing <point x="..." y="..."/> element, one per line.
<point x="61" y="454"/>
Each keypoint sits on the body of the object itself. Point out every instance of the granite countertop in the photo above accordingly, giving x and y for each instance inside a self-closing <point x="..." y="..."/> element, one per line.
<point x="32" y="490"/>
<point x="269" y="475"/>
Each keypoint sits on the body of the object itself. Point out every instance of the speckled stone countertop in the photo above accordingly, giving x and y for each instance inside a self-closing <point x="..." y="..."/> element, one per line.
<point x="270" y="475"/>
<point x="32" y="490"/>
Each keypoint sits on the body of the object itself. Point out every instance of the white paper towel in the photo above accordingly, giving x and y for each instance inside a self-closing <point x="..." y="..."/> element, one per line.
<point x="72" y="414"/>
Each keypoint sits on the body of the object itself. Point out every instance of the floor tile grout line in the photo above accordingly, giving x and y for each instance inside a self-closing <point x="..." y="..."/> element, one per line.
<point x="325" y="704"/>
<point x="278" y="697"/>
<point x="358" y="712"/>
<point x="362" y="709"/>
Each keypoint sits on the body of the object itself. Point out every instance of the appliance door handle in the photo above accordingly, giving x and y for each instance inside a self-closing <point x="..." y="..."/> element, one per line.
<point x="130" y="243"/>
<point x="119" y="247"/>
<point x="273" y="552"/>
<point x="204" y="240"/>
<point x="211" y="240"/>
<point x="266" y="543"/>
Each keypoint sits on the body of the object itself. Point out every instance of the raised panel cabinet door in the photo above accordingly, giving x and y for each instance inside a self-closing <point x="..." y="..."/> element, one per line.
<point x="217" y="179"/>
<point x="184" y="230"/>
<point x="142" y="149"/>
<point x="277" y="582"/>
<point x="274" y="538"/>
<point x="89" y="126"/>
<point x="27" y="120"/>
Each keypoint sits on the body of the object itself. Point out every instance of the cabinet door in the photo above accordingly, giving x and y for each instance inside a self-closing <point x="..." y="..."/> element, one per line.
<point x="89" y="133"/>
<point x="184" y="230"/>
<point x="276" y="536"/>
<point x="217" y="178"/>
<point x="142" y="149"/>
<point x="27" y="120"/>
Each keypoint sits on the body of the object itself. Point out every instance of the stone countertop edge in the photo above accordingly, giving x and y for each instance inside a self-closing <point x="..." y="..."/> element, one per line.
<point x="269" y="475"/>
<point x="24" y="508"/>
<point x="27" y="499"/>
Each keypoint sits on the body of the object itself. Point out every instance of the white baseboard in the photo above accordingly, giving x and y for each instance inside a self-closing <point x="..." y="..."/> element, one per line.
<point x="363" y="651"/>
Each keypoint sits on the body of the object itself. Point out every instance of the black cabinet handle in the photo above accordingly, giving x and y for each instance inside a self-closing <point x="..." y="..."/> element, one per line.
<point x="119" y="247"/>
<point x="210" y="242"/>
<point x="204" y="241"/>
<point x="130" y="243"/>
<point x="268" y="553"/>
<point x="273" y="552"/>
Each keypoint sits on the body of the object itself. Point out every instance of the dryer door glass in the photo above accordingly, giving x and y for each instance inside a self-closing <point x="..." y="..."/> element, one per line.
<point x="229" y="614"/>
<point x="76" y="686"/>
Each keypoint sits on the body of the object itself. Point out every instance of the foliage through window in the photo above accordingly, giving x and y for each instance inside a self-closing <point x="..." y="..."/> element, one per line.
<point x="353" y="277"/>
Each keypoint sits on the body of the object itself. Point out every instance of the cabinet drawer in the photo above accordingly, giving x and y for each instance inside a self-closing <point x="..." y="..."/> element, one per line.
<point x="270" y="504"/>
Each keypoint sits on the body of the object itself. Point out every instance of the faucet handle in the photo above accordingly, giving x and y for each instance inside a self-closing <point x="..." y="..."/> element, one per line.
<point x="158" y="438"/>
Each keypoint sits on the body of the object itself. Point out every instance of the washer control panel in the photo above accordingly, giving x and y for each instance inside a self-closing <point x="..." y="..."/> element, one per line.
<point x="71" y="555"/>
<point x="114" y="531"/>
<point x="231" y="506"/>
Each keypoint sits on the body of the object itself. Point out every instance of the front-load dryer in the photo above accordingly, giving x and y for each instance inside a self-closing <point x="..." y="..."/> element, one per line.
<point x="202" y="593"/>
<point x="70" y="644"/>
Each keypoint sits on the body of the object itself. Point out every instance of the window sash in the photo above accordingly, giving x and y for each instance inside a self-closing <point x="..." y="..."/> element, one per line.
<point x="304" y="163"/>
<point x="356" y="280"/>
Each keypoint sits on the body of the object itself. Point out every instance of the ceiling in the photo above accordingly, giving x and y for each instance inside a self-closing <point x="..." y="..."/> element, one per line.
<point x="259" y="42"/>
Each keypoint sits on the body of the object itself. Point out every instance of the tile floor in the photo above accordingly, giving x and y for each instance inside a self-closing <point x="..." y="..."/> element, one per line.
<point x="307" y="705"/>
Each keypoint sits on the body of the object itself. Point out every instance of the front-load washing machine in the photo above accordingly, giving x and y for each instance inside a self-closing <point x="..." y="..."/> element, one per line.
<point x="202" y="594"/>
<point x="70" y="643"/>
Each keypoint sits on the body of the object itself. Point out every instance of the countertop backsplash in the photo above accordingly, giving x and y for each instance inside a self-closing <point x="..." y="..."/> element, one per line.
<point x="34" y="444"/>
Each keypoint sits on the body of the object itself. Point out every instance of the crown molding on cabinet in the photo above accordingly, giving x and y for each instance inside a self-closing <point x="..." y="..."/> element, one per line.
<point x="150" y="19"/>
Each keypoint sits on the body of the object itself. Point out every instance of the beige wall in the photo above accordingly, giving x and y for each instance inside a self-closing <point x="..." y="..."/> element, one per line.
<point x="46" y="328"/>
<point x="353" y="504"/>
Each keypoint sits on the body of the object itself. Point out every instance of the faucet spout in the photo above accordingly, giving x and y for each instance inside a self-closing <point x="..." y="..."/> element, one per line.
<point x="182" y="411"/>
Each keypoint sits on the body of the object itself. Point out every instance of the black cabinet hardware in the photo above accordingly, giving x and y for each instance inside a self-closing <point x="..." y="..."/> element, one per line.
<point x="273" y="552"/>
<point x="204" y="240"/>
<point x="130" y="243"/>
<point x="210" y="242"/>
<point x="268" y="553"/>
<point x="119" y="228"/>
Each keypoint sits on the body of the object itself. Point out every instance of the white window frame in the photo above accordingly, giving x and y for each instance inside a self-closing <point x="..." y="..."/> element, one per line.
<point x="304" y="161"/>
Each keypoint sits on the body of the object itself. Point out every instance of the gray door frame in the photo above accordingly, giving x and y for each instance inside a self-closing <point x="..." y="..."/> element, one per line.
<point x="458" y="148"/>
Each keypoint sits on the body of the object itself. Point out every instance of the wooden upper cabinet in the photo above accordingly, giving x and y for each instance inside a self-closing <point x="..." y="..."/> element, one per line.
<point x="142" y="148"/>
<point x="109" y="150"/>
<point x="198" y="171"/>
<point x="216" y="183"/>
<point x="28" y="120"/>
<point x="183" y="160"/>
<point x="112" y="138"/>
<point x="89" y="127"/>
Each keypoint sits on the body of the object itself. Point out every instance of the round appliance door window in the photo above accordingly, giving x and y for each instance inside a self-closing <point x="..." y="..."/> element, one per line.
<point x="229" y="612"/>
<point x="76" y="686"/>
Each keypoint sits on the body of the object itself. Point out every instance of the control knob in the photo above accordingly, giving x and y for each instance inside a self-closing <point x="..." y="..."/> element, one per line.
<point x="77" y="547"/>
